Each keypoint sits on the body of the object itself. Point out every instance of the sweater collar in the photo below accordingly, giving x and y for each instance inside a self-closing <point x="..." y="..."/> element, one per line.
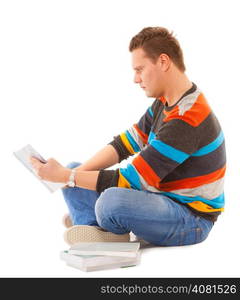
<point x="189" y="91"/>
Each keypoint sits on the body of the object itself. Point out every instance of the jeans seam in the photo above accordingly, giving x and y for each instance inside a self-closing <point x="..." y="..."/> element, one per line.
<point x="198" y="234"/>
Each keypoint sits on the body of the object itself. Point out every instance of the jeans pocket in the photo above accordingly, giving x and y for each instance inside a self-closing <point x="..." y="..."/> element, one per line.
<point x="197" y="234"/>
<point x="191" y="236"/>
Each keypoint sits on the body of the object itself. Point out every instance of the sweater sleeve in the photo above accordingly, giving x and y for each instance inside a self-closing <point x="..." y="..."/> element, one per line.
<point x="166" y="150"/>
<point x="135" y="138"/>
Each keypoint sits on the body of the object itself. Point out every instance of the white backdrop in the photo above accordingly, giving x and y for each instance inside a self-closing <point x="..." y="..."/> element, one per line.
<point x="66" y="87"/>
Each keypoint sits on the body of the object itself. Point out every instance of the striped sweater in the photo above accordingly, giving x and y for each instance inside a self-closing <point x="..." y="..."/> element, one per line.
<point x="181" y="154"/>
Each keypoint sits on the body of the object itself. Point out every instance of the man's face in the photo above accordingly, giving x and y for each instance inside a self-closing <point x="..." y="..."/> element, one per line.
<point x="147" y="74"/>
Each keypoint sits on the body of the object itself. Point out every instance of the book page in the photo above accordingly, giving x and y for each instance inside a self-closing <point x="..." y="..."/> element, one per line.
<point x="128" y="249"/>
<point x="94" y="263"/>
<point x="23" y="155"/>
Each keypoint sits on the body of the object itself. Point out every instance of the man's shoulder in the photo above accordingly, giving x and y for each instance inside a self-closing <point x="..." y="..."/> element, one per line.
<point x="192" y="109"/>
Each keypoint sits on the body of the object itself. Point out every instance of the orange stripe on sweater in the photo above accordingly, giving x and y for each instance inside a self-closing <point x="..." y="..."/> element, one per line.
<point x="172" y="114"/>
<point x="194" y="116"/>
<point x="162" y="99"/>
<point x="192" y="182"/>
<point x="146" y="171"/>
<point x="200" y="206"/>
<point x="122" y="182"/>
<point x="142" y="135"/>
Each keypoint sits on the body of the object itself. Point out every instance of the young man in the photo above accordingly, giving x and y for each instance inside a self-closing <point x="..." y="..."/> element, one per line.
<point x="172" y="192"/>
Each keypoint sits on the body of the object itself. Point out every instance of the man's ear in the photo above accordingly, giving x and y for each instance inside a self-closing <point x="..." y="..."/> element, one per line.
<point x="164" y="62"/>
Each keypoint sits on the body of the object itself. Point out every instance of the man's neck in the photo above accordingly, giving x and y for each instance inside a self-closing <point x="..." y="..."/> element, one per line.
<point x="176" y="88"/>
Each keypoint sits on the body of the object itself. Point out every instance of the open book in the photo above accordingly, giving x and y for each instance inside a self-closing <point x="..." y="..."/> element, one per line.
<point x="23" y="155"/>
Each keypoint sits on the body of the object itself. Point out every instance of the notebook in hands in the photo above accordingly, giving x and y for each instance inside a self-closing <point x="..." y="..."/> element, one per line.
<point x="23" y="155"/>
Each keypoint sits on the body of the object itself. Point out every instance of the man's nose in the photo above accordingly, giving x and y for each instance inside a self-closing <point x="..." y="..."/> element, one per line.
<point x="137" y="78"/>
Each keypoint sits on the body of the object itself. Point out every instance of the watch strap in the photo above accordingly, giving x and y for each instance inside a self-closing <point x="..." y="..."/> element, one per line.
<point x="71" y="181"/>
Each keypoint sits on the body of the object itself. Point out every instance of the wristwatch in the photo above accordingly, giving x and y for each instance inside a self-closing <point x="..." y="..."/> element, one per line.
<point x="71" y="181"/>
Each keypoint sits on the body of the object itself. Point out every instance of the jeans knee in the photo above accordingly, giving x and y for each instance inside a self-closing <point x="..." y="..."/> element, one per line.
<point x="109" y="211"/>
<point x="106" y="207"/>
<point x="73" y="164"/>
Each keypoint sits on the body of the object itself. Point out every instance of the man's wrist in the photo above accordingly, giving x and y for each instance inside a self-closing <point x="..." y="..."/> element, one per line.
<point x="65" y="175"/>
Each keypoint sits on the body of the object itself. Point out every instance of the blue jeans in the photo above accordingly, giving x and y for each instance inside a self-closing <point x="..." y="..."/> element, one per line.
<point x="151" y="216"/>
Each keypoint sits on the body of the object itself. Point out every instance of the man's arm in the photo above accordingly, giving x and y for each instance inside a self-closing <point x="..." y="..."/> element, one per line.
<point x="83" y="179"/>
<point x="124" y="145"/>
<point x="87" y="174"/>
<point x="103" y="159"/>
<point x="174" y="142"/>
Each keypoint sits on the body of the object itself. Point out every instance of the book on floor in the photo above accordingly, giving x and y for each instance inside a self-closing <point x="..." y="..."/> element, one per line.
<point x="123" y="249"/>
<point x="88" y="263"/>
<point x="23" y="155"/>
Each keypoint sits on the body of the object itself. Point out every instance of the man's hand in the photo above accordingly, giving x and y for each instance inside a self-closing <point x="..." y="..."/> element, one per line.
<point x="51" y="170"/>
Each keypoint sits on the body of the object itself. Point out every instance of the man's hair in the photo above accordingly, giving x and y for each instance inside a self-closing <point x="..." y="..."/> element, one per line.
<point x="157" y="40"/>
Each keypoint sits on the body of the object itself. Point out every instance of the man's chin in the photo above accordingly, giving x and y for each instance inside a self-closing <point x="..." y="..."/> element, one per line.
<point x="148" y="94"/>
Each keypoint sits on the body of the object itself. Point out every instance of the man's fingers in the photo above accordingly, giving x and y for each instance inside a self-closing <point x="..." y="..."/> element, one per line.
<point x="35" y="163"/>
<point x="34" y="160"/>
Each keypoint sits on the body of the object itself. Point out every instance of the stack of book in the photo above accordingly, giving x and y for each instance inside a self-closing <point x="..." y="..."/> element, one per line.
<point x="101" y="256"/>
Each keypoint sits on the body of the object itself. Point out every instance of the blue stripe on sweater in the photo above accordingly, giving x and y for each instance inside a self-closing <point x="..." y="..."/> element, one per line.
<point x="217" y="202"/>
<point x="210" y="147"/>
<point x="150" y="111"/>
<point x="132" y="142"/>
<point x="151" y="136"/>
<point x="169" y="151"/>
<point x="131" y="176"/>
